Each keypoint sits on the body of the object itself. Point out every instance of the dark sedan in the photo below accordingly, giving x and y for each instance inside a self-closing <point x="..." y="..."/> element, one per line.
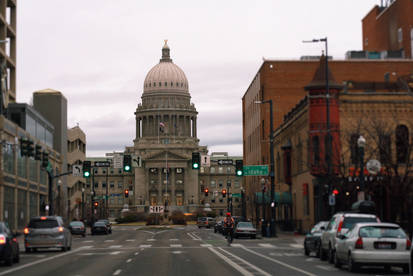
<point x="9" y="246"/>
<point x="219" y="226"/>
<point x="312" y="240"/>
<point x="108" y="225"/>
<point x="77" y="228"/>
<point x="99" y="227"/>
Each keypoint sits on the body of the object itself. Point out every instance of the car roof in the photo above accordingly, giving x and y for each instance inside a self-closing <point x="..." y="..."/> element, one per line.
<point x="345" y="214"/>
<point x="383" y="224"/>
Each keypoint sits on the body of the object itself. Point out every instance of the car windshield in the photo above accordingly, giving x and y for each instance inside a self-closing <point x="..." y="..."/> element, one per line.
<point x="350" y="221"/>
<point x="43" y="223"/>
<point x="382" y="232"/>
<point x="103" y="220"/>
<point x="76" y="223"/>
<point x="317" y="227"/>
<point x="100" y="223"/>
<point x="245" y="224"/>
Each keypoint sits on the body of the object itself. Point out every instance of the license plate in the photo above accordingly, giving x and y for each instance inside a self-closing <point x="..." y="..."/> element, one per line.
<point x="384" y="246"/>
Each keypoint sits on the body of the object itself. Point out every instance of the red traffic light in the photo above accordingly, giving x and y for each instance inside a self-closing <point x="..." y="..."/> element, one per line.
<point x="335" y="192"/>
<point x="126" y="193"/>
<point x="224" y="192"/>
<point x="206" y="190"/>
<point x="96" y="204"/>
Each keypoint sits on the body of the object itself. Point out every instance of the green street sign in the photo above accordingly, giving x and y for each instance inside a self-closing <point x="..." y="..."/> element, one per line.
<point x="256" y="170"/>
<point x="237" y="195"/>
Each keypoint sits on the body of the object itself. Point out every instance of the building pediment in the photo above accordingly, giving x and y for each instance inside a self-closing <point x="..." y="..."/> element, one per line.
<point x="166" y="155"/>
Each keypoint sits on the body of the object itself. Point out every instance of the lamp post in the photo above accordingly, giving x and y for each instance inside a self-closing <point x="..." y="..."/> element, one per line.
<point x="83" y="204"/>
<point x="272" y="175"/>
<point x="361" y="143"/>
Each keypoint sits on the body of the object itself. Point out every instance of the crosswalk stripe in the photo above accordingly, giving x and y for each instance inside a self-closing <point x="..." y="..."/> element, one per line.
<point x="267" y="245"/>
<point x="326" y="267"/>
<point x="115" y="253"/>
<point x="295" y="245"/>
<point x="173" y="239"/>
<point x="150" y="240"/>
<point x="131" y="240"/>
<point x="109" y="240"/>
<point x="176" y="245"/>
<point x="87" y="241"/>
<point x="206" y="245"/>
<point x="145" y="245"/>
<point x="115" y="246"/>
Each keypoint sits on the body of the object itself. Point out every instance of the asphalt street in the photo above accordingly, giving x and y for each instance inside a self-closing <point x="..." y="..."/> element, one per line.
<point x="134" y="250"/>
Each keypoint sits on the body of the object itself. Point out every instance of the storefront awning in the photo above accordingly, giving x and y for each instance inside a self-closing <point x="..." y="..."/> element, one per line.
<point x="280" y="198"/>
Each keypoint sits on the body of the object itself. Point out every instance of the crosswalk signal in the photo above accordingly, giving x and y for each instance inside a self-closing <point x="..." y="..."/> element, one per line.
<point x="196" y="160"/>
<point x="38" y="152"/>
<point x="86" y="169"/>
<point x="126" y="193"/>
<point x="45" y="159"/>
<point x="127" y="163"/>
<point x="206" y="191"/>
<point x="239" y="168"/>
<point x="224" y="192"/>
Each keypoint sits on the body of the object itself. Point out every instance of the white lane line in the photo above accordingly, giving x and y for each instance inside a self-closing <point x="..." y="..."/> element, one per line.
<point x="129" y="260"/>
<point x="327" y="268"/>
<point x="206" y="245"/>
<point x="175" y="245"/>
<point x="87" y="241"/>
<point x="266" y="245"/>
<point x="296" y="245"/>
<point x="239" y="268"/>
<point x="136" y="253"/>
<point x="176" y="252"/>
<point x="278" y="262"/>
<point x="117" y="272"/>
<point x="196" y="236"/>
<point x="193" y="237"/>
<point x="109" y="240"/>
<point x="115" y="253"/>
<point x="236" y="245"/>
<point x="115" y="246"/>
<point x="246" y="263"/>
<point x="131" y="240"/>
<point x="145" y="245"/>
<point x="174" y="239"/>
<point x="40" y="261"/>
<point x="276" y="254"/>
<point x="150" y="240"/>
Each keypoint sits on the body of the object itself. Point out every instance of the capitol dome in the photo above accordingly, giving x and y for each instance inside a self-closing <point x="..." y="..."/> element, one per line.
<point x="165" y="76"/>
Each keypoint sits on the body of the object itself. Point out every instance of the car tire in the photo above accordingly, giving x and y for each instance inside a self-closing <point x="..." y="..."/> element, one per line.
<point x="28" y="250"/>
<point x="17" y="257"/>
<point x="330" y="255"/>
<point x="317" y="252"/>
<point x="253" y="237"/>
<point x="306" y="251"/>
<point x="215" y="230"/>
<point x="9" y="259"/>
<point x="352" y="266"/>
<point x="337" y="262"/>
<point x="64" y="248"/>
<point x="387" y="268"/>
<point x="323" y="255"/>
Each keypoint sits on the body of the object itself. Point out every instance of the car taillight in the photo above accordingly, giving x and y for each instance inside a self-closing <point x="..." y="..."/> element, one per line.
<point x="26" y="231"/>
<point x="408" y="244"/>
<point x="359" y="243"/>
<point x="2" y="239"/>
<point x="60" y="229"/>
<point x="340" y="225"/>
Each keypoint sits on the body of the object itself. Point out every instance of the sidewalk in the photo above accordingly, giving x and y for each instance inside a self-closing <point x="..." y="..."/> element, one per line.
<point x="284" y="235"/>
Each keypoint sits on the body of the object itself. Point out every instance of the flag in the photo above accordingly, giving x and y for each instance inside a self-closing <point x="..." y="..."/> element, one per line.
<point x="161" y="127"/>
<point x="162" y="124"/>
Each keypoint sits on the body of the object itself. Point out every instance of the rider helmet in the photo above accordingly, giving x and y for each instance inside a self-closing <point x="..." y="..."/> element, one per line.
<point x="228" y="214"/>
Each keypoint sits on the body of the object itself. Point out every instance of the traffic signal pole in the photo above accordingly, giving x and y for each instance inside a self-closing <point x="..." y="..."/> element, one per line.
<point x="51" y="177"/>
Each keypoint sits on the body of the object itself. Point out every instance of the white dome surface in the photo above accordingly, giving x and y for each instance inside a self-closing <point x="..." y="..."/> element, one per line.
<point x="165" y="76"/>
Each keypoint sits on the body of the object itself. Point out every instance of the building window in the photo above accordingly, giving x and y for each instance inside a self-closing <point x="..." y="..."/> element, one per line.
<point x="112" y="184"/>
<point x="278" y="167"/>
<point x="228" y="183"/>
<point x="120" y="184"/>
<point x="213" y="184"/>
<point x="316" y="150"/>
<point x="96" y="184"/>
<point x="236" y="184"/>
<point x="228" y="169"/>
<point x="327" y="148"/>
<point x="220" y="169"/>
<point x="400" y="35"/>
<point x="220" y="183"/>
<point x="212" y="169"/>
<point x="402" y="143"/>
<point x="299" y="156"/>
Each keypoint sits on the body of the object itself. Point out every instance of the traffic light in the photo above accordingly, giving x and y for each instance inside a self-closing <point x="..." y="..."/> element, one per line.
<point x="196" y="160"/>
<point x="30" y="148"/>
<point x="335" y="192"/>
<point x="38" y="152"/>
<point x="239" y="168"/>
<point x="224" y="192"/>
<point x="86" y="169"/>
<point x="127" y="163"/>
<point x="206" y="191"/>
<point x="96" y="204"/>
<point x="45" y="159"/>
<point x="23" y="146"/>
<point x="126" y="193"/>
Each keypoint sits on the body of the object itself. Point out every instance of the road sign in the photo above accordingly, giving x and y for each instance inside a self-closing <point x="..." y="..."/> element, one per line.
<point x="236" y="195"/>
<point x="136" y="161"/>
<point x="77" y="170"/>
<point x="205" y="160"/>
<point x="117" y="161"/>
<point x="102" y="164"/>
<point x="156" y="209"/>
<point x="332" y="200"/>
<point x="225" y="162"/>
<point x="256" y="170"/>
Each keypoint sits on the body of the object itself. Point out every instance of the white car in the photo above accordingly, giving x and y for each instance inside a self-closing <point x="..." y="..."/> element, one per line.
<point x="383" y="244"/>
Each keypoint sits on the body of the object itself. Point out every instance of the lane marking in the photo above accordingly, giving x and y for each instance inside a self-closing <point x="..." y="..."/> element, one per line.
<point x="136" y="253"/>
<point x="196" y="236"/>
<point x="115" y="246"/>
<point x="278" y="262"/>
<point x="177" y="252"/>
<point x="131" y="240"/>
<point x="175" y="245"/>
<point x="174" y="239"/>
<point x="267" y="245"/>
<point x="295" y="245"/>
<point x="117" y="272"/>
<point x="206" y="245"/>
<point x="88" y="241"/>
<point x="40" y="261"/>
<point x="239" y="268"/>
<point x="129" y="260"/>
<point x="145" y="245"/>
<point x="150" y="240"/>
<point x="276" y="254"/>
<point x="193" y="237"/>
<point x="246" y="263"/>
<point x="115" y="253"/>
<point x="109" y="240"/>
<point x="327" y="268"/>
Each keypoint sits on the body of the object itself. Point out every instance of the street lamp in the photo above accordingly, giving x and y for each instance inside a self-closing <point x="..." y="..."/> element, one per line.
<point x="361" y="143"/>
<point x="272" y="222"/>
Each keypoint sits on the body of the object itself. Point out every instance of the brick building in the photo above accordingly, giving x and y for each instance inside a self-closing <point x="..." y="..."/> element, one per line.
<point x="388" y="28"/>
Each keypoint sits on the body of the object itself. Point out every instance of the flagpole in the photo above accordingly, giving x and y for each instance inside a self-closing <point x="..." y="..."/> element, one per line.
<point x="166" y="186"/>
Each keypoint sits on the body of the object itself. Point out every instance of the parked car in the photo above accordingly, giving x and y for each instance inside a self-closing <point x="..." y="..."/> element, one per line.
<point x="312" y="240"/>
<point x="108" y="225"/>
<point x="219" y="226"/>
<point x="411" y="260"/>
<point x="9" y="246"/>
<point x="339" y="224"/>
<point x="238" y="219"/>
<point x="99" y="227"/>
<point x="47" y="232"/>
<point x="77" y="228"/>
<point x="205" y="222"/>
<point x="373" y="244"/>
<point x="245" y="229"/>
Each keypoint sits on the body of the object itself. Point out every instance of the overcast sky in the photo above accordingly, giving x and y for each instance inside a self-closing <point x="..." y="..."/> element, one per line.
<point x="98" y="52"/>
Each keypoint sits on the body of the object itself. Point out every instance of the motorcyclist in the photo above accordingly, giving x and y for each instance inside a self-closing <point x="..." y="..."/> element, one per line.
<point x="229" y="224"/>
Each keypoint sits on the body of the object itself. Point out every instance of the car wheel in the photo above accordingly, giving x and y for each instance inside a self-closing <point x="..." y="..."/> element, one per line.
<point x="330" y="255"/>
<point x="317" y="251"/>
<point x="406" y="269"/>
<point x="64" y="248"/>
<point x="352" y="266"/>
<point x="253" y="237"/>
<point x="323" y="255"/>
<point x="17" y="257"/>
<point x="306" y="251"/>
<point x="9" y="260"/>
<point x="84" y="235"/>
<point x="28" y="250"/>
<point x="336" y="261"/>
<point x="387" y="268"/>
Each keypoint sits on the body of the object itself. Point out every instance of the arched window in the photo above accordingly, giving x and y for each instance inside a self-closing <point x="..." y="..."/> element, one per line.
<point x="316" y="150"/>
<point x="402" y="143"/>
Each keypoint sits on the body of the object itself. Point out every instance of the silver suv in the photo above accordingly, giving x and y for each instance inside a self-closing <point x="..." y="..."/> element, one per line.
<point x="47" y="232"/>
<point x="339" y="224"/>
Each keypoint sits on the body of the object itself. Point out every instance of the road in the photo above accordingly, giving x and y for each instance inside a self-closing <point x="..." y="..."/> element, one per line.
<point x="134" y="250"/>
